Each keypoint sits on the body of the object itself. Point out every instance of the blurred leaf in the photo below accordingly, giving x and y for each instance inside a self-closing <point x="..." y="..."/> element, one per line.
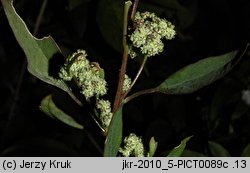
<point x="198" y="75"/>
<point x="191" y="153"/>
<point x="218" y="150"/>
<point x="177" y="151"/>
<point x="114" y="136"/>
<point x="37" y="51"/>
<point x="49" y="108"/>
<point x="246" y="151"/>
<point x="110" y="21"/>
<point x="185" y="13"/>
<point x="79" y="17"/>
<point x="239" y="111"/>
<point x="226" y="95"/>
<point x="243" y="72"/>
<point x="76" y="3"/>
<point x="147" y="6"/>
<point x="152" y="147"/>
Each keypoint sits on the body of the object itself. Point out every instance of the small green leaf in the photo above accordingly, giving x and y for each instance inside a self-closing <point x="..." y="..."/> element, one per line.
<point x="177" y="151"/>
<point x="198" y="75"/>
<point x="217" y="150"/>
<point x="246" y="151"/>
<point x="37" y="51"/>
<point x="114" y="136"/>
<point x="49" y="108"/>
<point x="152" y="147"/>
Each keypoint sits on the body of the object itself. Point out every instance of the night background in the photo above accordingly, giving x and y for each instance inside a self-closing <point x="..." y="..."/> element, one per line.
<point x="204" y="28"/>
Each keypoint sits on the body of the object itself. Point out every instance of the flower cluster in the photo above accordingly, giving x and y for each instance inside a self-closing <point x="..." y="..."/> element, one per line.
<point x="105" y="112"/>
<point x="88" y="76"/>
<point x="126" y="83"/>
<point x="133" y="146"/>
<point x="149" y="30"/>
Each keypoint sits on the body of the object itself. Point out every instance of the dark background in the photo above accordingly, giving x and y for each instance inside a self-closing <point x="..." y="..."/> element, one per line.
<point x="204" y="28"/>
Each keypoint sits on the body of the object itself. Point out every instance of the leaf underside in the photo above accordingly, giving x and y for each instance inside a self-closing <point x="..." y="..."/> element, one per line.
<point x="38" y="51"/>
<point x="49" y="108"/>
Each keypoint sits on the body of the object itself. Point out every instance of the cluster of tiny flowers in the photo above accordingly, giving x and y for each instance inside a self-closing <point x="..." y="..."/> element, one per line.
<point x="105" y="112"/>
<point x="87" y="76"/>
<point x="126" y="83"/>
<point x="131" y="52"/>
<point x="149" y="30"/>
<point x="246" y="96"/>
<point x="133" y="146"/>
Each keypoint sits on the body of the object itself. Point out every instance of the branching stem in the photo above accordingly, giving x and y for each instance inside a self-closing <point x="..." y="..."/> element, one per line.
<point x="119" y="94"/>
<point x="134" y="9"/>
<point x="137" y="76"/>
<point x="139" y="93"/>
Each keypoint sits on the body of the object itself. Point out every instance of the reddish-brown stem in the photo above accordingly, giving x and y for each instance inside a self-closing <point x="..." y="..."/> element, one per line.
<point x="142" y="92"/>
<point x="118" y="97"/>
<point x="137" y="76"/>
<point x="134" y="9"/>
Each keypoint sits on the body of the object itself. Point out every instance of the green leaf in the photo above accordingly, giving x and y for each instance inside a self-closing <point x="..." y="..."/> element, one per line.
<point x="177" y="151"/>
<point x="152" y="147"/>
<point x="246" y="151"/>
<point x="198" y="75"/>
<point x="217" y="150"/>
<point x="37" y="51"/>
<point x="114" y="136"/>
<point x="49" y="108"/>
